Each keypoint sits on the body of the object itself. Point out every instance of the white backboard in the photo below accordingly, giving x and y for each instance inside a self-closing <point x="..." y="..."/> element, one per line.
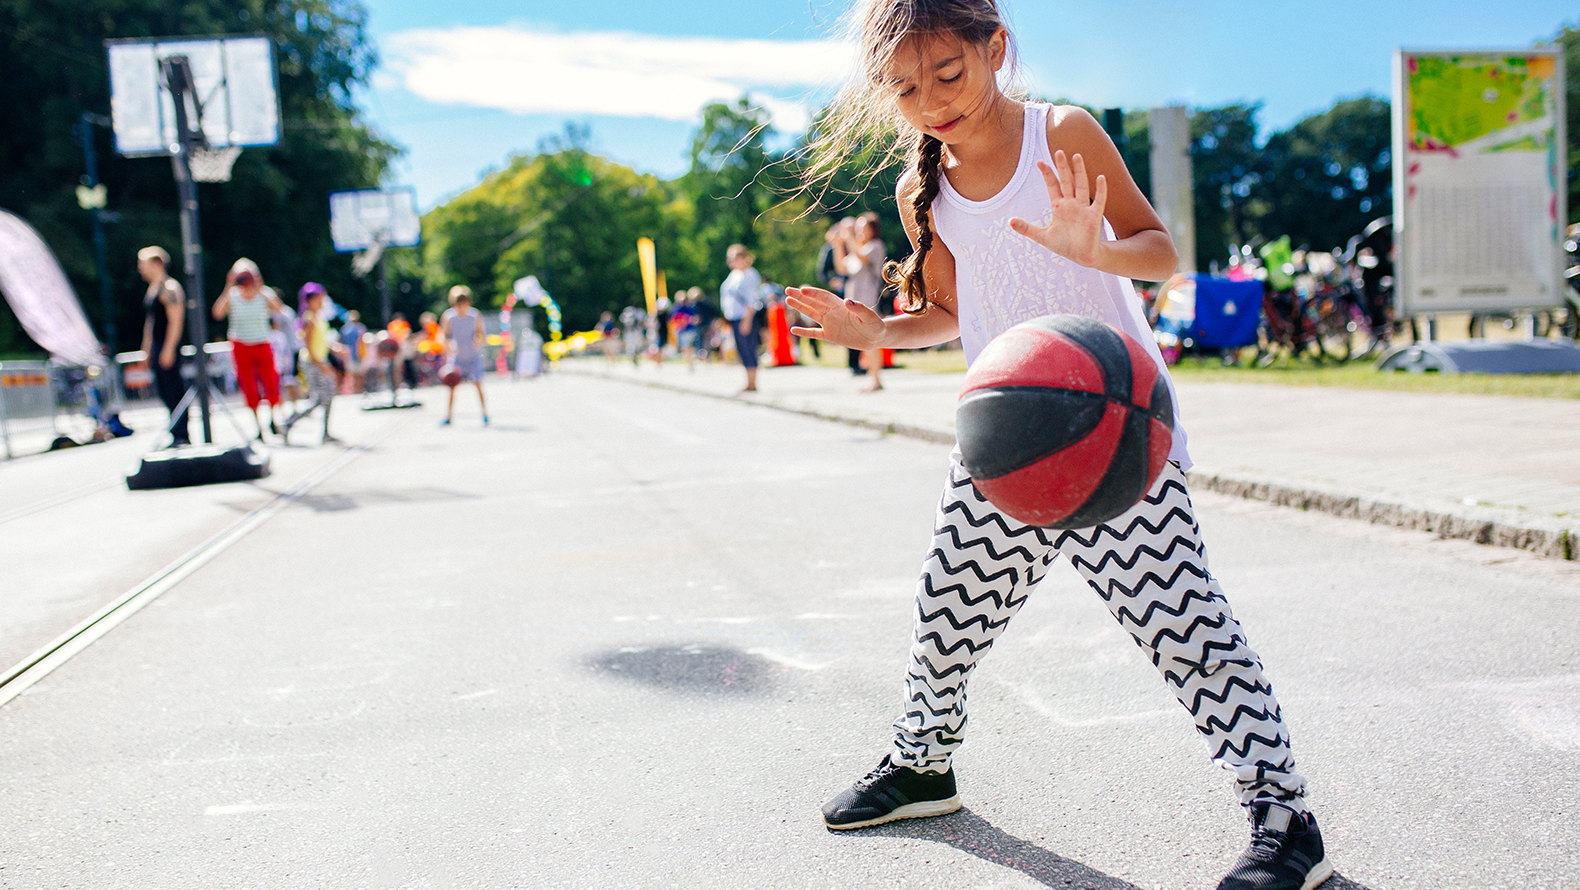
<point x="360" y="219"/>
<point x="235" y="84"/>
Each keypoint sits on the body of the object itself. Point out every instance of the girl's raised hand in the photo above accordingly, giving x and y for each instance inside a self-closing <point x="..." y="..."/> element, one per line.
<point x="1075" y="230"/>
<point x="844" y="322"/>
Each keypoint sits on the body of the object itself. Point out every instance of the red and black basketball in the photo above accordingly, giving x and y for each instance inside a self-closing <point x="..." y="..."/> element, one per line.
<point x="1064" y="422"/>
<point x="450" y="376"/>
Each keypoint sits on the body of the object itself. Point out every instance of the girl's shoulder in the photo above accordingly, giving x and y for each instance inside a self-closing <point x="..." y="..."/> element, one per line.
<point x="1073" y="129"/>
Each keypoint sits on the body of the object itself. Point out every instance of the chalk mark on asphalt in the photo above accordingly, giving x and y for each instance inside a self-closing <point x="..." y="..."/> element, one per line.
<point x="38" y="665"/>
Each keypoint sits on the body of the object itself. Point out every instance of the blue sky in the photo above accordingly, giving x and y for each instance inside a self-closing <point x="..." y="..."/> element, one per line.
<point x="464" y="85"/>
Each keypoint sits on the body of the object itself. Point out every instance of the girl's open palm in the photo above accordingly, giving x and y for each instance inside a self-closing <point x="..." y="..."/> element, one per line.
<point x="844" y="322"/>
<point x="1075" y="230"/>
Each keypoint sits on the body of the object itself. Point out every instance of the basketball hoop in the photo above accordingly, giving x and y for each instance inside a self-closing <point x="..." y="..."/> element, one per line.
<point x="213" y="164"/>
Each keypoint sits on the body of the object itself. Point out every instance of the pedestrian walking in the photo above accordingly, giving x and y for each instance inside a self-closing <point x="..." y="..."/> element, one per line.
<point x="314" y="360"/>
<point x="461" y="328"/>
<point x="1036" y="214"/>
<point x="250" y="308"/>
<point x="741" y="297"/>
<point x="163" y="331"/>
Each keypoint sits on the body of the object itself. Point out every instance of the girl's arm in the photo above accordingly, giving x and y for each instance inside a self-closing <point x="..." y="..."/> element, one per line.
<point x="1087" y="183"/>
<point x="478" y="337"/>
<point x="853" y="325"/>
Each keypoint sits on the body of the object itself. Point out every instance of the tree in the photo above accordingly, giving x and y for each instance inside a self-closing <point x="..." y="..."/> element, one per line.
<point x="1225" y="168"/>
<point x="53" y="68"/>
<point x="725" y="182"/>
<point x="1569" y="39"/>
<point x="572" y="219"/>
<point x="1329" y="175"/>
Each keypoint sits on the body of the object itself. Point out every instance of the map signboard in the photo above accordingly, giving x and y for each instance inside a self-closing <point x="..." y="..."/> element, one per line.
<point x="1479" y="149"/>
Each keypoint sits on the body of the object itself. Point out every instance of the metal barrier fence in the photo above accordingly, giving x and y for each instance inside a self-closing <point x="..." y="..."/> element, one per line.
<point x="42" y="398"/>
<point x="27" y="391"/>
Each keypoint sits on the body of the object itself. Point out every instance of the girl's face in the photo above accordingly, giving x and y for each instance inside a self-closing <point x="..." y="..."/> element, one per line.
<point x="944" y="86"/>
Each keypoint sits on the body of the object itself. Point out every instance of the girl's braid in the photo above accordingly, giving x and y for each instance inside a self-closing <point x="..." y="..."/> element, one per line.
<point x="910" y="276"/>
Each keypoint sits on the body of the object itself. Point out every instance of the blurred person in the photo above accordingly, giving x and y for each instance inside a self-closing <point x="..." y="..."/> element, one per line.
<point x="461" y="329"/>
<point x="314" y="360"/>
<point x="657" y="328"/>
<point x="529" y="351"/>
<point x="351" y="336"/>
<point x="705" y="314"/>
<point x="429" y="348"/>
<point x="859" y="253"/>
<point x="399" y="365"/>
<point x="832" y="277"/>
<point x="250" y="308"/>
<point x="608" y="335"/>
<point x="740" y="298"/>
<point x="687" y="335"/>
<point x="633" y="329"/>
<point x="163" y="332"/>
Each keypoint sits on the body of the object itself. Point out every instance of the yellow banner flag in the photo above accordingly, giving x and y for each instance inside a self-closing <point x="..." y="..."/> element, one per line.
<point x="645" y="253"/>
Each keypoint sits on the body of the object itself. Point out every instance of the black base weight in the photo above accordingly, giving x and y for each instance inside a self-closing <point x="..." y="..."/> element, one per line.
<point x="199" y="465"/>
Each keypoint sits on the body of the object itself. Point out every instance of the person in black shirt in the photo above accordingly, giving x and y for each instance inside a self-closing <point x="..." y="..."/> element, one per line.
<point x="162" y="336"/>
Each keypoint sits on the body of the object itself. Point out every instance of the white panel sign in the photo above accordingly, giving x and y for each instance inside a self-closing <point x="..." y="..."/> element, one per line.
<point x="358" y="220"/>
<point x="1479" y="188"/>
<point x="235" y="84"/>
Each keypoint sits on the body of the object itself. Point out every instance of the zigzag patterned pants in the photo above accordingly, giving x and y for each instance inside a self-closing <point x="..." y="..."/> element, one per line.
<point x="1150" y="567"/>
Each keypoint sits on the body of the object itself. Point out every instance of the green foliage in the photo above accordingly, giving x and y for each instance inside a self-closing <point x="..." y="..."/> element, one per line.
<point x="275" y="208"/>
<point x="726" y="180"/>
<point x="1225" y="167"/>
<point x="572" y="219"/>
<point x="1328" y="175"/>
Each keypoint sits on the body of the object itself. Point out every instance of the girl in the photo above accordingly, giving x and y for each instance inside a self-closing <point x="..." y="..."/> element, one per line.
<point x="1018" y="210"/>
<point x="314" y="359"/>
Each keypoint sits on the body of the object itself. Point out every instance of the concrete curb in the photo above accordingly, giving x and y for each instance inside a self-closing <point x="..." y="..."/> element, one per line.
<point x="1481" y="525"/>
<point x="1551" y="538"/>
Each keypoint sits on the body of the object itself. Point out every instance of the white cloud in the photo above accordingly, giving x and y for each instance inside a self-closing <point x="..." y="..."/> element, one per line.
<point x="516" y="69"/>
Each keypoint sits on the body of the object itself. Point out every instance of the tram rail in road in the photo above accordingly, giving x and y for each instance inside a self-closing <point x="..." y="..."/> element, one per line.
<point x="19" y="677"/>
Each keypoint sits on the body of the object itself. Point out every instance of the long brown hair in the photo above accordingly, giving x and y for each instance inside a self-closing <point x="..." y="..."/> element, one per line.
<point x="863" y="116"/>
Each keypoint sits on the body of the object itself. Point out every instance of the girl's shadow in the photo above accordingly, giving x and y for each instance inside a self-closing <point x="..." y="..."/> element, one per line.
<point x="970" y="833"/>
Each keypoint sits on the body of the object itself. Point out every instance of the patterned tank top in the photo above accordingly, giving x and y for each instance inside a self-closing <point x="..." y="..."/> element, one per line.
<point x="1003" y="278"/>
<point x="249" y="319"/>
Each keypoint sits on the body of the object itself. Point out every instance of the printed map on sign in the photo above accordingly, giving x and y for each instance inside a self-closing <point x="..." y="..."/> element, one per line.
<point x="1479" y="104"/>
<point x="1481" y="199"/>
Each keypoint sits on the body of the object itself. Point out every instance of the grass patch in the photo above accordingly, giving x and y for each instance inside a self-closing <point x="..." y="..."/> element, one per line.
<point x="1304" y="372"/>
<point x="1364" y="375"/>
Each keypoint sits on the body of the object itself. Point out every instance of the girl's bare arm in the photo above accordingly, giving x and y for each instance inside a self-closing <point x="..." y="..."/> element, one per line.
<point x="855" y="326"/>
<point x="1088" y="183"/>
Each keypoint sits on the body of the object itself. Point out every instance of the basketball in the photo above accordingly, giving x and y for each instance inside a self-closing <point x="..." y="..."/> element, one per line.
<point x="1064" y="422"/>
<point x="450" y="375"/>
<point x="387" y="347"/>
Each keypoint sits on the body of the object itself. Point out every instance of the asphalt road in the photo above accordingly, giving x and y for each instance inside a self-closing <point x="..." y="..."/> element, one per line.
<point x="625" y="637"/>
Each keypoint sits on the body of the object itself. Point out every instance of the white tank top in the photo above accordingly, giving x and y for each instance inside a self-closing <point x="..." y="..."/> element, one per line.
<point x="1003" y="278"/>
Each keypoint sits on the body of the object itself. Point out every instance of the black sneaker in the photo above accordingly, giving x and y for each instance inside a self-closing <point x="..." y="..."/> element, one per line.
<point x="1285" y="853"/>
<point x="889" y="793"/>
